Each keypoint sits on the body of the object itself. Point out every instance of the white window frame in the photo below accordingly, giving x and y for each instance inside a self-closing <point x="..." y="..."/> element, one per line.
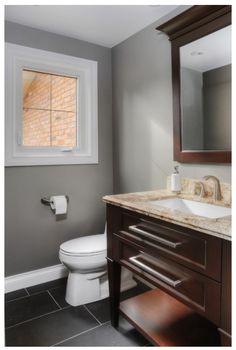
<point x="20" y="57"/>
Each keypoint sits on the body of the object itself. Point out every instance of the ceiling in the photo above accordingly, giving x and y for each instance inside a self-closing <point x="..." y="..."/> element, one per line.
<point x="105" y="25"/>
<point x="209" y="52"/>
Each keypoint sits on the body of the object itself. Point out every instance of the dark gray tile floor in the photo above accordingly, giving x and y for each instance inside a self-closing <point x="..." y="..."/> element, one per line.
<point x="59" y="295"/>
<point x="15" y="295"/>
<point x="106" y="335"/>
<point x="24" y="309"/>
<point x="40" y="316"/>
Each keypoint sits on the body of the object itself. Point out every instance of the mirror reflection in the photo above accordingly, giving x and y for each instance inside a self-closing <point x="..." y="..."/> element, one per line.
<point x="205" y="66"/>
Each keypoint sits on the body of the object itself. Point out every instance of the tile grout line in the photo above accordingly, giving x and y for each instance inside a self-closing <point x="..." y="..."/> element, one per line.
<point x="27" y="296"/>
<point x="92" y="314"/>
<point x="35" y="318"/>
<point x="54" y="300"/>
<point x="27" y="291"/>
<point x="78" y="334"/>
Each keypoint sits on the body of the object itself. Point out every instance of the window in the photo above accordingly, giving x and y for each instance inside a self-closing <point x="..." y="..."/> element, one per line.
<point x="51" y="108"/>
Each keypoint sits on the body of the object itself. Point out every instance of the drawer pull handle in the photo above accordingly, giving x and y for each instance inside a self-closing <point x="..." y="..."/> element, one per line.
<point x="164" y="241"/>
<point x="153" y="272"/>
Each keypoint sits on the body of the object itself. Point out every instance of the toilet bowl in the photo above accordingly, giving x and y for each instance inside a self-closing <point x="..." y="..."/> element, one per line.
<point x="85" y="259"/>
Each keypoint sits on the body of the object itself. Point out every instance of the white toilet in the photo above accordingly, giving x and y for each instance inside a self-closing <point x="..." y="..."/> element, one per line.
<point x="85" y="258"/>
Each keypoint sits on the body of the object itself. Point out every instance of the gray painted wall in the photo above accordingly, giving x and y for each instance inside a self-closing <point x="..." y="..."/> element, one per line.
<point x="33" y="235"/>
<point x="142" y="115"/>
<point x="217" y="108"/>
<point x="192" y="109"/>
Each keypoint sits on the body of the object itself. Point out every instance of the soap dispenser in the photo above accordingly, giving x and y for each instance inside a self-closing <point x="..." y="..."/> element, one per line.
<point x="175" y="180"/>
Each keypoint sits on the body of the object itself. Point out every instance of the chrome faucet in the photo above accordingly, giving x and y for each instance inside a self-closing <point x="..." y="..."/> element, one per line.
<point x="217" y="190"/>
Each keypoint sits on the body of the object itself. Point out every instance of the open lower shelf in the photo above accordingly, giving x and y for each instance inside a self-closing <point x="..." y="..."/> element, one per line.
<point x="165" y="321"/>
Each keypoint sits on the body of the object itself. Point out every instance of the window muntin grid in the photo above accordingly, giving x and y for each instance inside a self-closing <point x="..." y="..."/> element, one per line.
<point x="50" y="113"/>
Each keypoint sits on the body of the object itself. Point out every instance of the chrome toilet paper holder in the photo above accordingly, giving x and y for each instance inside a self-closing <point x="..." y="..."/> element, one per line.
<point x="47" y="200"/>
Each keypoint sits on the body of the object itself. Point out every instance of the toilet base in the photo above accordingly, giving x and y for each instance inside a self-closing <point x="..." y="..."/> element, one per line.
<point x="87" y="288"/>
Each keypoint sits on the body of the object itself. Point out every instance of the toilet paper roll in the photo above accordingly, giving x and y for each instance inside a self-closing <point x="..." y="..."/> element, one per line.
<point x="59" y="204"/>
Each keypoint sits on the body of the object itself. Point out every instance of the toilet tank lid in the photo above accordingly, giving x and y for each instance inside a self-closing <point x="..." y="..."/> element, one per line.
<point x="85" y="245"/>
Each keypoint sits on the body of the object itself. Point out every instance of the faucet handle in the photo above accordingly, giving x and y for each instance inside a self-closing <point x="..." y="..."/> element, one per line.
<point x="199" y="189"/>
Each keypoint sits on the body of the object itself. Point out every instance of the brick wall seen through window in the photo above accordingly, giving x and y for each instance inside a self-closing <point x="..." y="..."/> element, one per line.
<point x="49" y="110"/>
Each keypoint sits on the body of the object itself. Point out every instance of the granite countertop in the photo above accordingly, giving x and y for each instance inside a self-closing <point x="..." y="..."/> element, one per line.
<point x="138" y="202"/>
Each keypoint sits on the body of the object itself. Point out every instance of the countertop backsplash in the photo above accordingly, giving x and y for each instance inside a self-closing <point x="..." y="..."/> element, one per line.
<point x="188" y="188"/>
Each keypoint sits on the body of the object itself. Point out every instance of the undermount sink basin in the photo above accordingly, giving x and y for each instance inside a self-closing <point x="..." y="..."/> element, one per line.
<point x="192" y="207"/>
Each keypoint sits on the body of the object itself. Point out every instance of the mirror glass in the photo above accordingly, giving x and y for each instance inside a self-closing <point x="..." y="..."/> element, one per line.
<point x="205" y="70"/>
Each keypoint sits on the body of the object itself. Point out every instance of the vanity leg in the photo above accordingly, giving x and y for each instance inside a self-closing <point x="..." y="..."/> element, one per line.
<point x="114" y="275"/>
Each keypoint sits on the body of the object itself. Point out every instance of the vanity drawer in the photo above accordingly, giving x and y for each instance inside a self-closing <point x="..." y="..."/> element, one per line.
<point x="192" y="288"/>
<point x="180" y="244"/>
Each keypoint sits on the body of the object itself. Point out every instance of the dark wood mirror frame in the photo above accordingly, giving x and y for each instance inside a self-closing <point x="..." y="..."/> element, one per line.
<point x="196" y="22"/>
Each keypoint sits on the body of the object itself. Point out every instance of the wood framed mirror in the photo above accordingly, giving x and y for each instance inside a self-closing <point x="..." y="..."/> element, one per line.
<point x="201" y="77"/>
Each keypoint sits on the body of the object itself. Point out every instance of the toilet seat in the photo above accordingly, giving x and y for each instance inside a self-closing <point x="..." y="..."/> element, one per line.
<point x="85" y="246"/>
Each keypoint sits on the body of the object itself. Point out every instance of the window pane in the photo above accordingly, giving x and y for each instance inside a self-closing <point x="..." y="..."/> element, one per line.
<point x="63" y="129"/>
<point x="36" y="89"/>
<point x="49" y="110"/>
<point x="36" y="127"/>
<point x="63" y="93"/>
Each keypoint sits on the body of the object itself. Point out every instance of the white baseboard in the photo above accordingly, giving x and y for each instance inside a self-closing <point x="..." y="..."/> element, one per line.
<point x="31" y="278"/>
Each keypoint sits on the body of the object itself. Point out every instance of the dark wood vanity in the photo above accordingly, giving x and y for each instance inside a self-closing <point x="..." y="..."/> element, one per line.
<point x="190" y="270"/>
